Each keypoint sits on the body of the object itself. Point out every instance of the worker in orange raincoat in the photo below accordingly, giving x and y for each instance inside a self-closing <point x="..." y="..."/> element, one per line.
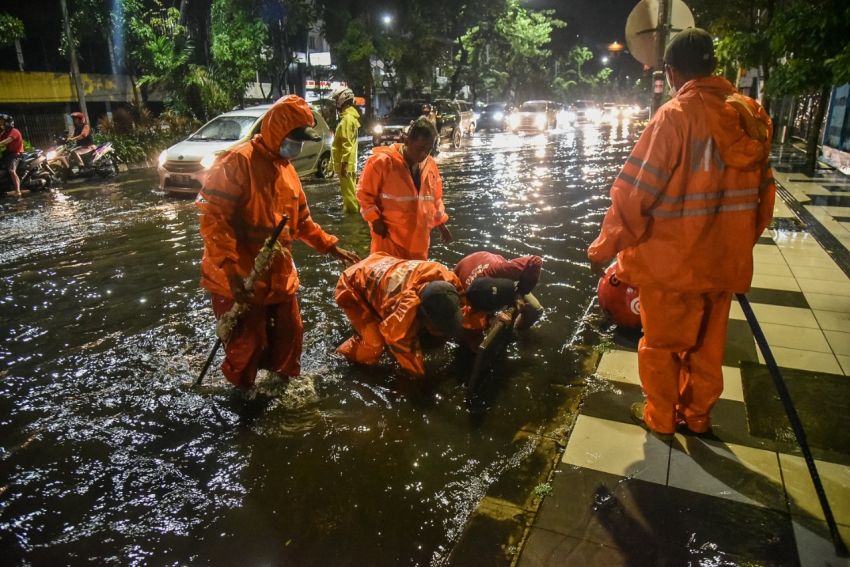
<point x="390" y="300"/>
<point x="246" y="194"/>
<point x="401" y="195"/>
<point x="686" y="210"/>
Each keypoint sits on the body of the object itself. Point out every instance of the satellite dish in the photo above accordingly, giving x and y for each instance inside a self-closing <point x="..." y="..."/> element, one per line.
<point x="642" y="28"/>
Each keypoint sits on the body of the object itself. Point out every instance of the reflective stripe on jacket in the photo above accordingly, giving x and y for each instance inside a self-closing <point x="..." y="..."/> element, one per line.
<point x="246" y="193"/>
<point x="345" y="140"/>
<point x="386" y="290"/>
<point x="694" y="195"/>
<point x="387" y="191"/>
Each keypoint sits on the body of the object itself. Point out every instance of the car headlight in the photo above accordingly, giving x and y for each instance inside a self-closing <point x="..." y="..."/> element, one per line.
<point x="163" y="156"/>
<point x="594" y="114"/>
<point x="208" y="160"/>
<point x="498" y="116"/>
<point x="513" y="120"/>
<point x="51" y="154"/>
<point x="540" y="120"/>
<point x="476" y="116"/>
<point x="378" y="129"/>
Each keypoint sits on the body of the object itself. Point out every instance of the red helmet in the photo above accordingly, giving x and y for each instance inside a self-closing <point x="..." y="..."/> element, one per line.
<point x="618" y="299"/>
<point x="79" y="115"/>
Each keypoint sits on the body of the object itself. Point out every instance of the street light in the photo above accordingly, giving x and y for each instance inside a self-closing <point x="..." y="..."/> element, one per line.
<point x="387" y="19"/>
<point x="605" y="60"/>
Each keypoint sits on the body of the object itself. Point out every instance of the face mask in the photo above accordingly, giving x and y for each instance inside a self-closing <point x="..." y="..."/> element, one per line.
<point x="290" y="148"/>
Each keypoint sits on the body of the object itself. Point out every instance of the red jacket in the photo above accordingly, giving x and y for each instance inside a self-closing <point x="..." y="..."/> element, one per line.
<point x="525" y="270"/>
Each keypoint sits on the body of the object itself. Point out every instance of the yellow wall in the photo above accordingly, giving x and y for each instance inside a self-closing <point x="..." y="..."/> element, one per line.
<point x="37" y="87"/>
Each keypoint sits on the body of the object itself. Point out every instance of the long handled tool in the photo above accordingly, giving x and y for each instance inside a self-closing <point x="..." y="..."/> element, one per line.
<point x="228" y="321"/>
<point x="794" y="419"/>
<point x="484" y="356"/>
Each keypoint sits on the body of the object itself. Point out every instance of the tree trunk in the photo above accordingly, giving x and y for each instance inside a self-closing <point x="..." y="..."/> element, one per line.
<point x="464" y="56"/>
<point x="815" y="132"/>
<point x="369" y="89"/>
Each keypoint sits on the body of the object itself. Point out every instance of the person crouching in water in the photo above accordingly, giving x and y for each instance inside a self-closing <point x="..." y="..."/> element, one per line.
<point x="492" y="283"/>
<point x="390" y="300"/>
<point x="401" y="195"/>
<point x="247" y="192"/>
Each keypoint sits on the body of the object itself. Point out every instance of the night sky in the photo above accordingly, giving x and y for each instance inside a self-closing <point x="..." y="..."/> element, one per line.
<point x="594" y="21"/>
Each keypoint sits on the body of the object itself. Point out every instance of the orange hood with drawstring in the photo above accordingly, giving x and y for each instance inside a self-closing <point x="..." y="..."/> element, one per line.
<point x="387" y="191"/>
<point x="246" y="193"/>
<point x="694" y="195"/>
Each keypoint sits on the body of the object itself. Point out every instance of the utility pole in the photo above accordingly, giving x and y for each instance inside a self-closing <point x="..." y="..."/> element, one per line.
<point x="75" y="69"/>
<point x="661" y="31"/>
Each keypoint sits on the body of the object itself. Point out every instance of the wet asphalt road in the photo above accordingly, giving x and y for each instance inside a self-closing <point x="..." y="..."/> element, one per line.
<point x="109" y="456"/>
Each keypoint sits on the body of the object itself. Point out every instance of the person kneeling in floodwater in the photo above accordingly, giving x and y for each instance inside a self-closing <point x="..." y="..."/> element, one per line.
<point x="389" y="301"/>
<point x="493" y="283"/>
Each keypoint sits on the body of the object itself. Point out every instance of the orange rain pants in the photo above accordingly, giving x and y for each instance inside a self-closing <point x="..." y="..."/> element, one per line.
<point x="680" y="356"/>
<point x="387" y="192"/>
<point x="267" y="336"/>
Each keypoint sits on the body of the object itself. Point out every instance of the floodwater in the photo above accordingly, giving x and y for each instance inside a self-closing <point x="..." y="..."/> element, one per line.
<point x="109" y="456"/>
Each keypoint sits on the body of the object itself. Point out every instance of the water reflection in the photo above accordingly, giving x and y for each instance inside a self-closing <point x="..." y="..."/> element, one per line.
<point x="109" y="456"/>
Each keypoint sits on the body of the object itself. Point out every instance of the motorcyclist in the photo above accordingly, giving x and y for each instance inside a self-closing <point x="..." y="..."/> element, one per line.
<point x="428" y="112"/>
<point x="12" y="142"/>
<point x="83" y="136"/>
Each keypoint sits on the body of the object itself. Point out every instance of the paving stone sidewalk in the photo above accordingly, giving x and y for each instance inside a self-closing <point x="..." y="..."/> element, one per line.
<point x="623" y="497"/>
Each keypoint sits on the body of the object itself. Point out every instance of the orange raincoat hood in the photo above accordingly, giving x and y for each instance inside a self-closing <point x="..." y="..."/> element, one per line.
<point x="742" y="129"/>
<point x="285" y="115"/>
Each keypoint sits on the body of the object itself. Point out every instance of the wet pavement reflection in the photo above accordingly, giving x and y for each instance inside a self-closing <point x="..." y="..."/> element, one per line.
<point x="108" y="455"/>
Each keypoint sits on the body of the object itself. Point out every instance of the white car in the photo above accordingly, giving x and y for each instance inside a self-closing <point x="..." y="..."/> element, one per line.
<point x="183" y="167"/>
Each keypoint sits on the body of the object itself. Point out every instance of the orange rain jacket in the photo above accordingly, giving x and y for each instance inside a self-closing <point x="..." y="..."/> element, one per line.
<point x="694" y="195"/>
<point x="246" y="193"/>
<point x="380" y="296"/>
<point x="387" y="191"/>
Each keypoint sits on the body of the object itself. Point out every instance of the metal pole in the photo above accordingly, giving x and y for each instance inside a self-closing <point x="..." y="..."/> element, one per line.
<point x="661" y="30"/>
<point x="75" y="69"/>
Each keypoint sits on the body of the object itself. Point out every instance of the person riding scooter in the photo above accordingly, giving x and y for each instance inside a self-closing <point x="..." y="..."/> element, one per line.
<point x="83" y="137"/>
<point x="12" y="143"/>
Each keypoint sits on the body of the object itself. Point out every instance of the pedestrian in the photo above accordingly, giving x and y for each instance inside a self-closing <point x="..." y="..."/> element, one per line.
<point x="345" y="148"/>
<point x="499" y="283"/>
<point x="12" y="144"/>
<point x="401" y="195"/>
<point x="390" y="300"/>
<point x="686" y="210"/>
<point x="248" y="191"/>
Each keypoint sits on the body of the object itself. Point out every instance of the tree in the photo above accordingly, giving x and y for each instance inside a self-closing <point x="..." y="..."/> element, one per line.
<point x="811" y="38"/>
<point x="238" y="39"/>
<point x="743" y="31"/>
<point x="508" y="52"/>
<point x="11" y="30"/>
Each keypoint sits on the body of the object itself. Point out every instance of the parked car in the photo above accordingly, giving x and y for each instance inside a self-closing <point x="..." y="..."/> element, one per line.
<point x="183" y="167"/>
<point x="494" y="116"/>
<point x="535" y="116"/>
<point x="393" y="127"/>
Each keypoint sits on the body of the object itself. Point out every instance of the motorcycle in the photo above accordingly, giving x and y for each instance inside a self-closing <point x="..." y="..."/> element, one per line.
<point x="33" y="172"/>
<point x="101" y="161"/>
